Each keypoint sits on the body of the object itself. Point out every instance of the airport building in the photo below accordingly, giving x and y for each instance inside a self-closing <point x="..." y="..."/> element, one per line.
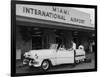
<point x="39" y="26"/>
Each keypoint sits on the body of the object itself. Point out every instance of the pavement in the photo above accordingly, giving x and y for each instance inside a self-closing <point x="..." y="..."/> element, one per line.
<point x="26" y="69"/>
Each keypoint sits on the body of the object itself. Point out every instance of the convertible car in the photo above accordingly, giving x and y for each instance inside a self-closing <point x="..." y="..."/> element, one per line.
<point x="45" y="58"/>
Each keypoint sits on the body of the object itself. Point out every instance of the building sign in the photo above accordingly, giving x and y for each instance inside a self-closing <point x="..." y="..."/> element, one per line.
<point x="54" y="13"/>
<point x="44" y="13"/>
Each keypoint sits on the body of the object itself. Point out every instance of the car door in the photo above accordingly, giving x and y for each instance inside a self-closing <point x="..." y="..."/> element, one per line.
<point x="65" y="56"/>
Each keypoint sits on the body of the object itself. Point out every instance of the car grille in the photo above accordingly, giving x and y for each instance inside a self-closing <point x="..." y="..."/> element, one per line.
<point x="27" y="60"/>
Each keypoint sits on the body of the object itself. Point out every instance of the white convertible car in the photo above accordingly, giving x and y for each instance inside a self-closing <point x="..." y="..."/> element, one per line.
<point x="45" y="58"/>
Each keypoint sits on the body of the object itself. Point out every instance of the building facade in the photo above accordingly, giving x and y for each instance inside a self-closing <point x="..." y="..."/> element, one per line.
<point x="39" y="26"/>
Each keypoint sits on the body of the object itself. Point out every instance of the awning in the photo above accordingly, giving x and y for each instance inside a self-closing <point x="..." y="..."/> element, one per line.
<point x="50" y="24"/>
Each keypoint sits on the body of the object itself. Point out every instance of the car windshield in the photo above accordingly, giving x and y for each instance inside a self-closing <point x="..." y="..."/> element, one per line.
<point x="53" y="46"/>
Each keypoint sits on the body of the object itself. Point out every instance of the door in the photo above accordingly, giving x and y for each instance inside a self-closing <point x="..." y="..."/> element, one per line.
<point x="36" y="42"/>
<point x="65" y="56"/>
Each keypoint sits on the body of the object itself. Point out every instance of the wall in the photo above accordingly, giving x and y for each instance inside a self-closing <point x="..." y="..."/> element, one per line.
<point x="20" y="43"/>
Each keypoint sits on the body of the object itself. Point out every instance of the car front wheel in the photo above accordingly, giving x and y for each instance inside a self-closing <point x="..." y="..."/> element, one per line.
<point x="45" y="65"/>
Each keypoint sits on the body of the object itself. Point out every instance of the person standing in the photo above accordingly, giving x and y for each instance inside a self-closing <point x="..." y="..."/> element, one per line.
<point x="92" y="46"/>
<point x="73" y="45"/>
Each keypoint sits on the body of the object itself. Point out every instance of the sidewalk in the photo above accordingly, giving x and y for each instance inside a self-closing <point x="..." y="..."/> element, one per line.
<point x="19" y="63"/>
<point x="90" y="55"/>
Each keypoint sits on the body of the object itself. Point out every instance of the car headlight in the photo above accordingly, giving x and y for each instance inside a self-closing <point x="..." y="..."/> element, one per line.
<point x="36" y="56"/>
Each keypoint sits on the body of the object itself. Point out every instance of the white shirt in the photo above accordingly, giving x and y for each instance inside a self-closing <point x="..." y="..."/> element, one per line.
<point x="74" y="46"/>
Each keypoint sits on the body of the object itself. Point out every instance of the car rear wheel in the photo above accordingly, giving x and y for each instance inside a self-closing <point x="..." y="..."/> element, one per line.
<point x="45" y="65"/>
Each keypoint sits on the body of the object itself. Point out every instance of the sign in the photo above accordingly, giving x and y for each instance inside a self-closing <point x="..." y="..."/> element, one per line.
<point x="54" y="13"/>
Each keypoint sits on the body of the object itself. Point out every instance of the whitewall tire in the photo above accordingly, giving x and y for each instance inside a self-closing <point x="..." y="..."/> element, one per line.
<point x="45" y="65"/>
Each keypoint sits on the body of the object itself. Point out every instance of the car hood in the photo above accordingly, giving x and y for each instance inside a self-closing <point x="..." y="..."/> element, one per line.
<point x="42" y="52"/>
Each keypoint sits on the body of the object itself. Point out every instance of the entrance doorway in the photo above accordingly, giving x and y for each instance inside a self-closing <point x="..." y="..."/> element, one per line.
<point x="36" y="42"/>
<point x="59" y="41"/>
<point x="76" y="40"/>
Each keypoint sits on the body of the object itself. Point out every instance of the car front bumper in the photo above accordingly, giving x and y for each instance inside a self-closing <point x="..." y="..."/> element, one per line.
<point x="31" y="62"/>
